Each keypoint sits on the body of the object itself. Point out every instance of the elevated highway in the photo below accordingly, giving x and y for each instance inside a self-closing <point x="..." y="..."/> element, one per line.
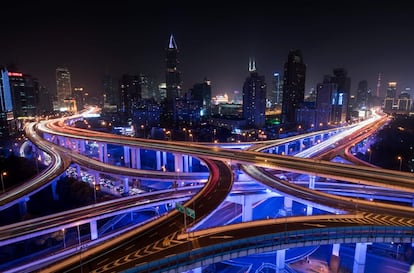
<point x="94" y="261"/>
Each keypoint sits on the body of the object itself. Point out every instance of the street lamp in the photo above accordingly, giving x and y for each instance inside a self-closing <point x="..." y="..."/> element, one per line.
<point x="400" y="159"/>
<point x="64" y="239"/>
<point x="94" y="192"/>
<point x="370" y="153"/>
<point x="2" y="174"/>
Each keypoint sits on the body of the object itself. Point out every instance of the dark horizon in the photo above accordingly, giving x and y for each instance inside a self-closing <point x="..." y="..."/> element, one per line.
<point x="216" y="42"/>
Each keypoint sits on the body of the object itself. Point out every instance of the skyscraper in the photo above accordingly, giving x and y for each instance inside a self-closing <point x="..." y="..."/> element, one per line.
<point x="293" y="85"/>
<point x="25" y="94"/>
<point x="63" y="87"/>
<point x="201" y="92"/>
<point x="254" y="98"/>
<point x="173" y="84"/>
<point x="343" y="94"/>
<point x="6" y="104"/>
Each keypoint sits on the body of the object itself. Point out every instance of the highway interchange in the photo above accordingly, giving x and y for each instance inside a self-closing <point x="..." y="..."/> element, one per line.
<point x="145" y="249"/>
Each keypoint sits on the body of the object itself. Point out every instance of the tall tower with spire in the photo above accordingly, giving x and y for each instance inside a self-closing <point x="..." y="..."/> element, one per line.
<point x="173" y="83"/>
<point x="378" y="85"/>
<point x="254" y="98"/>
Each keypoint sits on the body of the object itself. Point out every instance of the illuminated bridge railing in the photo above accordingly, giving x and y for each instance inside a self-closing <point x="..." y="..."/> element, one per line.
<point x="276" y="241"/>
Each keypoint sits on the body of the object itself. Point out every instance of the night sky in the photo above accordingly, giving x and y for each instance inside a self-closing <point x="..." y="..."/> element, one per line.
<point x="214" y="40"/>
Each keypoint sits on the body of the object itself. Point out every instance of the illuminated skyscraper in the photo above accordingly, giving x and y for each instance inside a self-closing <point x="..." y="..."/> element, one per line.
<point x="390" y="97"/>
<point x="63" y="87"/>
<point x="173" y="84"/>
<point x="25" y="93"/>
<point x="6" y="104"/>
<point x="293" y="85"/>
<point x="254" y="98"/>
<point x="201" y="92"/>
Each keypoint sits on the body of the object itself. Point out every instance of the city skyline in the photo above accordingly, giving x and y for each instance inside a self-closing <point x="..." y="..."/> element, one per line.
<point x="214" y="42"/>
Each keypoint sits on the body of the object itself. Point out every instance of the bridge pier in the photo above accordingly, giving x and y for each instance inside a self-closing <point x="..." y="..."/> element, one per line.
<point x="178" y="162"/>
<point x="126" y="185"/>
<point x="287" y="204"/>
<point x="127" y="156"/>
<point x="158" y="160"/>
<point x="23" y="205"/>
<point x="78" y="172"/>
<point x="94" y="230"/>
<point x="103" y="152"/>
<point x="359" y="258"/>
<point x="136" y="158"/>
<point x="55" y="196"/>
<point x="280" y="261"/>
<point x="309" y="208"/>
<point x="164" y="159"/>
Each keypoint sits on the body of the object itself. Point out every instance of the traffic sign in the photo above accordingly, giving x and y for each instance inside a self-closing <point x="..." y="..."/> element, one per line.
<point x="179" y="207"/>
<point x="190" y="212"/>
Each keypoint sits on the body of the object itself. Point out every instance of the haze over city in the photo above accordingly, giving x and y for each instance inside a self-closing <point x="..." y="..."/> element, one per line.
<point x="214" y="41"/>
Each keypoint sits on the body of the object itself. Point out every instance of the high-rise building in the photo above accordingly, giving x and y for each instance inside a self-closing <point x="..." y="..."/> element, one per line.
<point x="24" y="93"/>
<point x="274" y="97"/>
<point x="341" y="98"/>
<point x="254" y="98"/>
<point x="110" y="94"/>
<point x="324" y="94"/>
<point x="6" y="104"/>
<point x="63" y="88"/>
<point x="173" y="84"/>
<point x="293" y="85"/>
<point x="390" y="96"/>
<point x="404" y="102"/>
<point x="362" y="95"/>
<point x="201" y="92"/>
<point x="130" y="92"/>
<point x="81" y="97"/>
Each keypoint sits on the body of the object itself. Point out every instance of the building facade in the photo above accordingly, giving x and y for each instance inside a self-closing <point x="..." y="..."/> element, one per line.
<point x="293" y="85"/>
<point x="254" y="98"/>
<point x="63" y="89"/>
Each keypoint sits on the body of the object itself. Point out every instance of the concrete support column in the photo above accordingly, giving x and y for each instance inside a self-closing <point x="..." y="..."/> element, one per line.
<point x="285" y="149"/>
<point x="126" y="184"/>
<point x="280" y="261"/>
<point x="133" y="158"/>
<point x="185" y="167"/>
<point x="312" y="182"/>
<point x="100" y="152"/>
<point x="164" y="158"/>
<point x="127" y="156"/>
<point x="78" y="172"/>
<point x="55" y="196"/>
<point x="309" y="209"/>
<point x="247" y="210"/>
<point x="190" y="164"/>
<point x="105" y="152"/>
<point x="23" y="205"/>
<point x="138" y="158"/>
<point x="359" y="258"/>
<point x="158" y="160"/>
<point x="178" y="162"/>
<point x="94" y="230"/>
<point x="335" y="249"/>
<point x="82" y="146"/>
<point x="288" y="203"/>
<point x="97" y="178"/>
<point x="300" y="145"/>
